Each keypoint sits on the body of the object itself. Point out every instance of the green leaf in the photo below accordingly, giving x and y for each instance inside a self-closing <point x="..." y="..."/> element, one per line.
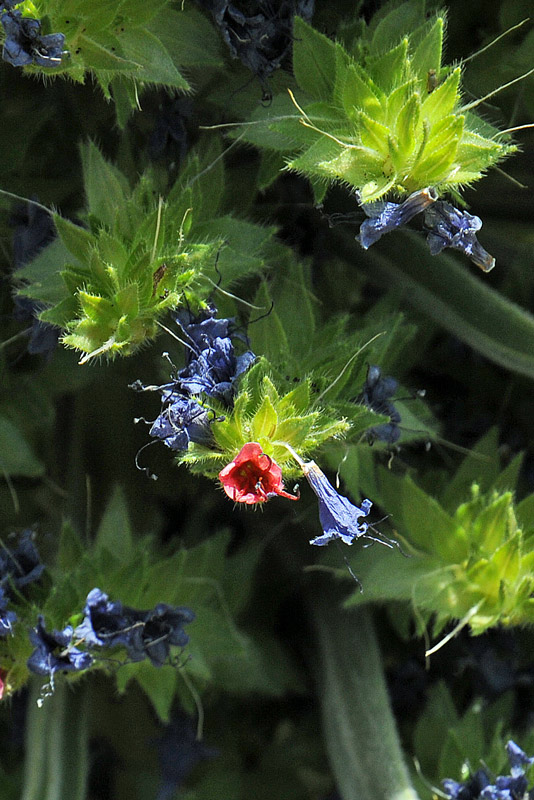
<point x="443" y="288"/>
<point x="481" y="466"/>
<point x="427" y="54"/>
<point x="77" y="240"/>
<point x="156" y="65"/>
<point x="70" y="549"/>
<point x="265" y="420"/>
<point x="101" y="57"/>
<point x="188" y="37"/>
<point x="314" y="61"/>
<point x="114" y="532"/>
<point x="105" y="186"/>
<point x="16" y="456"/>
<point x="359" y="728"/>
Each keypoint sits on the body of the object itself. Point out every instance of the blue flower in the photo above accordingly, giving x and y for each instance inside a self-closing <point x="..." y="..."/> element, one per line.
<point x="183" y="420"/>
<point x="505" y="787"/>
<point x="144" y="634"/>
<point x="215" y="371"/>
<point x="339" y="517"/>
<point x="7" y="618"/>
<point x="385" y="217"/>
<point x="449" y="227"/>
<point x="21" y="566"/>
<point x="54" y="652"/>
<point x="376" y="395"/>
<point x="212" y="366"/>
<point x="24" y="45"/>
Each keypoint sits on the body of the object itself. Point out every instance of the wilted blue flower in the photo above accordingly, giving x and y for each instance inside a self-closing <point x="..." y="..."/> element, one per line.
<point x="449" y="227"/>
<point x="215" y="370"/>
<point x="182" y="421"/>
<point x="143" y="633"/>
<point x="505" y="787"/>
<point x="53" y="652"/>
<point x="20" y="566"/>
<point x="212" y="366"/>
<point x="7" y="618"/>
<point x="376" y="395"/>
<point x="24" y="45"/>
<point x="179" y="751"/>
<point x="339" y="517"/>
<point x="385" y="216"/>
<point x="261" y="40"/>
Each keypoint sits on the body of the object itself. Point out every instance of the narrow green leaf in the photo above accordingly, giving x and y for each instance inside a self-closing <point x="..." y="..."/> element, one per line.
<point x="16" y="456"/>
<point x="359" y="728"/>
<point x="100" y="57"/>
<point x="105" y="186"/>
<point x="443" y="288"/>
<point x="76" y="239"/>
<point x="427" y="54"/>
<point x="314" y="61"/>
<point x="156" y="65"/>
<point x="114" y="532"/>
<point x="188" y="37"/>
<point x="265" y="420"/>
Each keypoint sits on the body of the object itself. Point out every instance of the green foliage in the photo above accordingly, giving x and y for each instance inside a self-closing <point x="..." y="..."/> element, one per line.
<point x="470" y="560"/>
<point x="141" y="255"/>
<point x="381" y="114"/>
<point x="125" y="44"/>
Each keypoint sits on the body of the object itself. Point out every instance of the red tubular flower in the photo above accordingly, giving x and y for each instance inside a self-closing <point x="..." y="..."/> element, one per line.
<point x="3" y="676"/>
<point x="253" y="477"/>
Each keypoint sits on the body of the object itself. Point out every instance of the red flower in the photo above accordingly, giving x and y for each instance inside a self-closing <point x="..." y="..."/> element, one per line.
<point x="3" y="676"/>
<point x="253" y="477"/>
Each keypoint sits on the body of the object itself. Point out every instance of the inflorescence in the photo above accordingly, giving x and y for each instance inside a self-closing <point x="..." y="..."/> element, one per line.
<point x="211" y="371"/>
<point x="108" y="624"/>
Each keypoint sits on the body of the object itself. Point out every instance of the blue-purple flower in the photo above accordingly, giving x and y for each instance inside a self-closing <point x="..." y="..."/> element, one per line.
<point x="144" y="634"/>
<point x="449" y="227"/>
<point x="54" y="652"/>
<point x="376" y="394"/>
<point x="340" y="519"/>
<point x="182" y="420"/>
<point x="212" y="366"/>
<point x="24" y="44"/>
<point x="386" y="216"/>
<point x="504" y="787"/>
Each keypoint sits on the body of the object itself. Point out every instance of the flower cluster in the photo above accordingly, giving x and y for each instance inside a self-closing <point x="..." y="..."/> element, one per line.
<point x="212" y="369"/>
<point x="24" y="43"/>
<point x="446" y="226"/>
<point x="480" y="786"/>
<point x="376" y="394"/>
<point x="108" y="624"/>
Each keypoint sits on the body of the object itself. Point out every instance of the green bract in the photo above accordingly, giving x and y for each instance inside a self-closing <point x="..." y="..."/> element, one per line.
<point x="141" y="255"/>
<point x="380" y="113"/>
